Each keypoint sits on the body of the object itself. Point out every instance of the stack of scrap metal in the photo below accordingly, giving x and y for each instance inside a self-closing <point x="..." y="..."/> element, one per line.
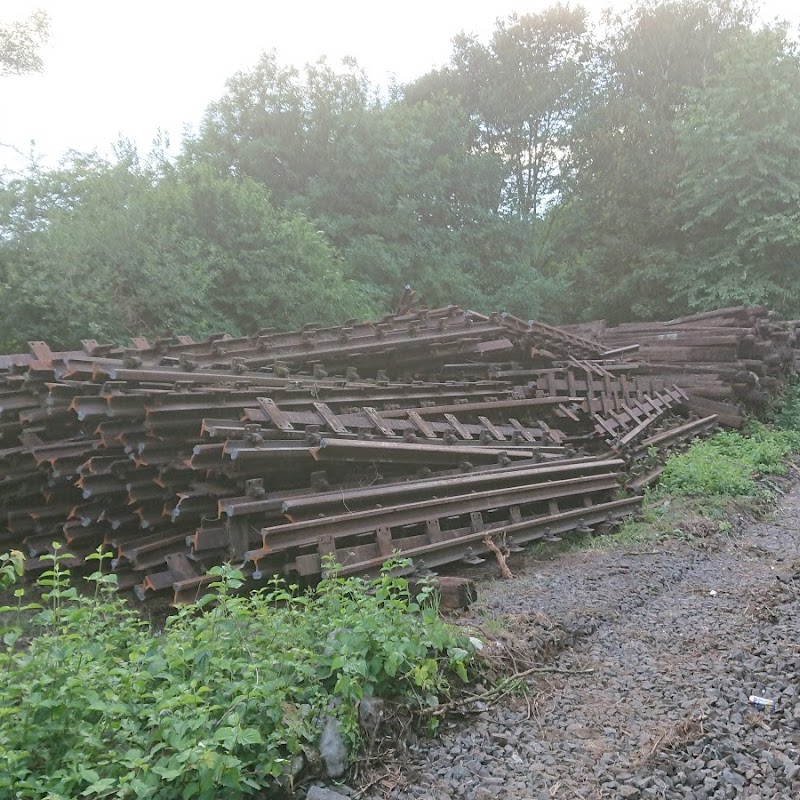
<point x="430" y="434"/>
<point x="728" y="361"/>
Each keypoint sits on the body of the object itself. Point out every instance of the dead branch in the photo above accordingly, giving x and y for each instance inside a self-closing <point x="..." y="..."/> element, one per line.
<point x="501" y="559"/>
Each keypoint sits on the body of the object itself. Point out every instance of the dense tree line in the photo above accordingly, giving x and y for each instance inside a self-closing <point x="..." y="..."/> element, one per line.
<point x="647" y="167"/>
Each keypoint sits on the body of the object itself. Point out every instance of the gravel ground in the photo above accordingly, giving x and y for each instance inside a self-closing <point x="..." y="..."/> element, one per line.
<point x="678" y="636"/>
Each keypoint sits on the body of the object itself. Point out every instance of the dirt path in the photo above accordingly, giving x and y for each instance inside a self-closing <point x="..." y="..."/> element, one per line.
<point x="677" y="636"/>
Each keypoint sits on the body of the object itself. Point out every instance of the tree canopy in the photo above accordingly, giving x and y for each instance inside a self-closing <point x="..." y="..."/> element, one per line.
<point x="20" y="44"/>
<point x="111" y="250"/>
<point x="556" y="171"/>
<point x="738" y="192"/>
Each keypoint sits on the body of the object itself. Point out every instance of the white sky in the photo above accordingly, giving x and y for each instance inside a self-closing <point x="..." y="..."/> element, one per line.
<point x="133" y="67"/>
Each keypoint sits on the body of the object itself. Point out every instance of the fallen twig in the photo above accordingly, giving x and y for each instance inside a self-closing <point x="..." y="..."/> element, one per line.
<point x="503" y="687"/>
<point x="501" y="559"/>
<point x="382" y="777"/>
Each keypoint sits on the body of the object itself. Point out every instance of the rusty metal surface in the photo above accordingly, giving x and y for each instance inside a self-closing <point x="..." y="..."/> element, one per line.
<point x="525" y="531"/>
<point x="420" y="433"/>
<point x="307" y="533"/>
<point x="728" y="361"/>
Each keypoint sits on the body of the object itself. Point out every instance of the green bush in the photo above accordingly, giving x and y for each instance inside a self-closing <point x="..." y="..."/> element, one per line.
<point x="223" y="701"/>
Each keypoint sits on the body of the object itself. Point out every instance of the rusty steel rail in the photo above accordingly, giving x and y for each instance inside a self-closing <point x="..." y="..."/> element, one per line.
<point x="219" y="538"/>
<point x="630" y="422"/>
<point x="332" y="528"/>
<point x="306" y="506"/>
<point x="409" y="424"/>
<point x="545" y="528"/>
<point x="406" y="339"/>
<point x="418" y="453"/>
<point x="680" y="433"/>
<point x="418" y="432"/>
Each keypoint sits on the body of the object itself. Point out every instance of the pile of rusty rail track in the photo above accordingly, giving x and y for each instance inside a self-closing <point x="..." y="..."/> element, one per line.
<point x="435" y="435"/>
<point x="729" y="361"/>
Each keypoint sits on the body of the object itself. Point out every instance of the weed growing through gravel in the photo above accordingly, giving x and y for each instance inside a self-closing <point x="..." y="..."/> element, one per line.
<point x="226" y="701"/>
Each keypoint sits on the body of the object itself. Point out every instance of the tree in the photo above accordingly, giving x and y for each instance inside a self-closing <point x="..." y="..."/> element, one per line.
<point x="522" y="92"/>
<point x="391" y="183"/>
<point x="20" y="43"/>
<point x="278" y="126"/>
<point x="399" y="189"/>
<point x="738" y="198"/>
<point x="618" y="232"/>
<point x="127" y="248"/>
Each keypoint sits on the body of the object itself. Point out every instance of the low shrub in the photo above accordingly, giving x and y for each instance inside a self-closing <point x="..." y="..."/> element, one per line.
<point x="225" y="701"/>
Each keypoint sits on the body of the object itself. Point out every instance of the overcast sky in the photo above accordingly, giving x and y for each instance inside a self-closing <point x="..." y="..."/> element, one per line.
<point x="133" y="67"/>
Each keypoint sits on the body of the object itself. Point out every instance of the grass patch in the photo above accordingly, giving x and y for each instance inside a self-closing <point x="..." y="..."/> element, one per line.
<point x="730" y="463"/>
<point x="692" y="519"/>
<point x="230" y="699"/>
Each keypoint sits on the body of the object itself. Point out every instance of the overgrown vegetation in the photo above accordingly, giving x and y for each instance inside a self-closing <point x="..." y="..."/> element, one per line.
<point x="729" y="463"/>
<point x="229" y="699"/>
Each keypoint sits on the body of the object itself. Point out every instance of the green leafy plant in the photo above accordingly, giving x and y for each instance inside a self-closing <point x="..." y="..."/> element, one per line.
<point x="788" y="417"/>
<point x="229" y="699"/>
<point x="11" y="568"/>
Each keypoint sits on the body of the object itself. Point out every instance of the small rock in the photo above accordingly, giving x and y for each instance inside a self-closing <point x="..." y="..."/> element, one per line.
<point x="321" y="793"/>
<point x="332" y="749"/>
<point x="731" y="777"/>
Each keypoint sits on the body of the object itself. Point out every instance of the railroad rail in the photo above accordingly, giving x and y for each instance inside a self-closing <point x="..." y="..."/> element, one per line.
<point x="420" y="433"/>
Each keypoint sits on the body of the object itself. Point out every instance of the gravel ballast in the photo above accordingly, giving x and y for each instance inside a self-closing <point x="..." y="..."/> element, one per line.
<point x="677" y="635"/>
